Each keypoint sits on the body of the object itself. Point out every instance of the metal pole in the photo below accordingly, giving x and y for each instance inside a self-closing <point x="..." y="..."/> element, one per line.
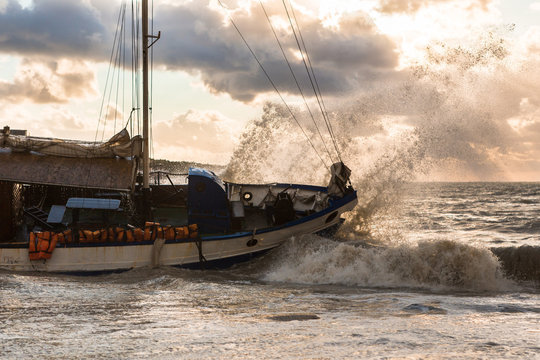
<point x="146" y="137"/>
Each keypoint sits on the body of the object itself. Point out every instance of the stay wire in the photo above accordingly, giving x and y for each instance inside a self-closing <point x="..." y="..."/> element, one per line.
<point x="120" y="69"/>
<point x="124" y="71"/>
<point x="115" y="49"/>
<point x="296" y="80"/>
<point x="323" y="109"/>
<point x="302" y="50"/>
<point x="134" y="68"/>
<point x="108" y="74"/>
<point x="115" y="78"/>
<point x="273" y="85"/>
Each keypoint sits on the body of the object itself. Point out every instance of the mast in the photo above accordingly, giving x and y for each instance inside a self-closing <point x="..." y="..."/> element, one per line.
<point x="146" y="135"/>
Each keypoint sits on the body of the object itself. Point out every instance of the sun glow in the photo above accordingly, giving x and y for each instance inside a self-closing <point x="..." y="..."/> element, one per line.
<point x="434" y="24"/>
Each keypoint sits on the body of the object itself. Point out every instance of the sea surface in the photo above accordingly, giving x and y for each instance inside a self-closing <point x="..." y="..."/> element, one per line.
<point x="415" y="278"/>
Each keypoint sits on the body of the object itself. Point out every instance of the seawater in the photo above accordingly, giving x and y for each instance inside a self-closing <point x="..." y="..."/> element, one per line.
<point x="419" y="280"/>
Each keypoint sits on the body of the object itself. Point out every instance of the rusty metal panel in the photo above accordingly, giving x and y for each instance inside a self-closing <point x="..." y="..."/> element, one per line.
<point x="28" y="168"/>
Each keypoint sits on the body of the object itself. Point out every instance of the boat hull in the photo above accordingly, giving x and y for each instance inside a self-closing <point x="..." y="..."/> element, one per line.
<point x="89" y="257"/>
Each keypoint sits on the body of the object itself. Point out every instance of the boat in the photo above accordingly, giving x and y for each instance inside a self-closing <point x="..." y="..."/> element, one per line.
<point x="85" y="207"/>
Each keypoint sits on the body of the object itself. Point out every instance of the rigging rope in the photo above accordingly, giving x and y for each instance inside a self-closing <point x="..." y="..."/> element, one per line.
<point x="296" y="80"/>
<point x="273" y="85"/>
<point x="116" y="67"/>
<point x="114" y="63"/>
<point x="124" y="73"/>
<point x="116" y="38"/>
<point x="133" y="67"/>
<point x="311" y="75"/>
<point x="323" y="110"/>
<point x="119" y="62"/>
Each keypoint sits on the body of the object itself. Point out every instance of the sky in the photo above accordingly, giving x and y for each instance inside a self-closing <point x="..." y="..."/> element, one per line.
<point x="448" y="90"/>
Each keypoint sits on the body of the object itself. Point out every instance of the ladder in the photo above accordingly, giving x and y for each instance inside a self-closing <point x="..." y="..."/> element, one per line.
<point x="38" y="215"/>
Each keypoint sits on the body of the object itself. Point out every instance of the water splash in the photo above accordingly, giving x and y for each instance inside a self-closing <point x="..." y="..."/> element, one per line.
<point x="438" y="120"/>
<point x="441" y="117"/>
<point x="436" y="265"/>
<point x="273" y="149"/>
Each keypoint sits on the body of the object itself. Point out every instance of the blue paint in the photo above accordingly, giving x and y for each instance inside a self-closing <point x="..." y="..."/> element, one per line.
<point x="208" y="206"/>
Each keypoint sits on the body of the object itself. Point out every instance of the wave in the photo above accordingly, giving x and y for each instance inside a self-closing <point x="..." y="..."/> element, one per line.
<point x="436" y="265"/>
<point x="520" y="263"/>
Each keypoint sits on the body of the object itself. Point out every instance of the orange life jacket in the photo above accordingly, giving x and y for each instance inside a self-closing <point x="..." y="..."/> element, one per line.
<point x="86" y="236"/>
<point x="193" y="230"/>
<point x="120" y="234"/>
<point x="138" y="234"/>
<point x="33" y="250"/>
<point x="46" y="244"/>
<point x="182" y="232"/>
<point x="169" y="232"/>
<point x="151" y="230"/>
<point x="68" y="237"/>
<point x="129" y="235"/>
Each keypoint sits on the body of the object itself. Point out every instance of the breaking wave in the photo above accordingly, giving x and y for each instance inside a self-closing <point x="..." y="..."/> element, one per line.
<point x="520" y="263"/>
<point x="442" y="264"/>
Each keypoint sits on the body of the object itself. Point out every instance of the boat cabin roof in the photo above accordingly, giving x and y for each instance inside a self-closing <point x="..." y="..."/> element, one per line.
<point x="92" y="203"/>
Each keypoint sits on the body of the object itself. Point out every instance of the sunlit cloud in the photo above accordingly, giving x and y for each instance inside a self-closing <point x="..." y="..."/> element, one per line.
<point x="535" y="6"/>
<point x="189" y="135"/>
<point x="49" y="81"/>
<point x="412" y="6"/>
<point x="345" y="59"/>
<point x="54" y="121"/>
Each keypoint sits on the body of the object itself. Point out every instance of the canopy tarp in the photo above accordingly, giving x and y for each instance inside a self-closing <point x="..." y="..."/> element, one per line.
<point x="120" y="145"/>
<point x="98" y="173"/>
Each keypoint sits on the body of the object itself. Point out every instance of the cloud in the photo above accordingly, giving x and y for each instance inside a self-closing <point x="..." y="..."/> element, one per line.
<point x="113" y="112"/>
<point x="53" y="121"/>
<point x="474" y="108"/>
<point x="535" y="6"/>
<point x="531" y="42"/>
<point x="65" y="120"/>
<point x="194" y="134"/>
<point x="49" y="81"/>
<point x="468" y="112"/>
<point x="412" y="6"/>
<point x="53" y="28"/>
<point x="200" y="40"/>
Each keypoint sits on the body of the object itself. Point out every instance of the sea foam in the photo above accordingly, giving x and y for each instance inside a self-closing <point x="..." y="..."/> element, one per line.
<point x="437" y="264"/>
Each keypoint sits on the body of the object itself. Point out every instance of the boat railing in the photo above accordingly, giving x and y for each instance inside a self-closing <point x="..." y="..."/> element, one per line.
<point x="167" y="178"/>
